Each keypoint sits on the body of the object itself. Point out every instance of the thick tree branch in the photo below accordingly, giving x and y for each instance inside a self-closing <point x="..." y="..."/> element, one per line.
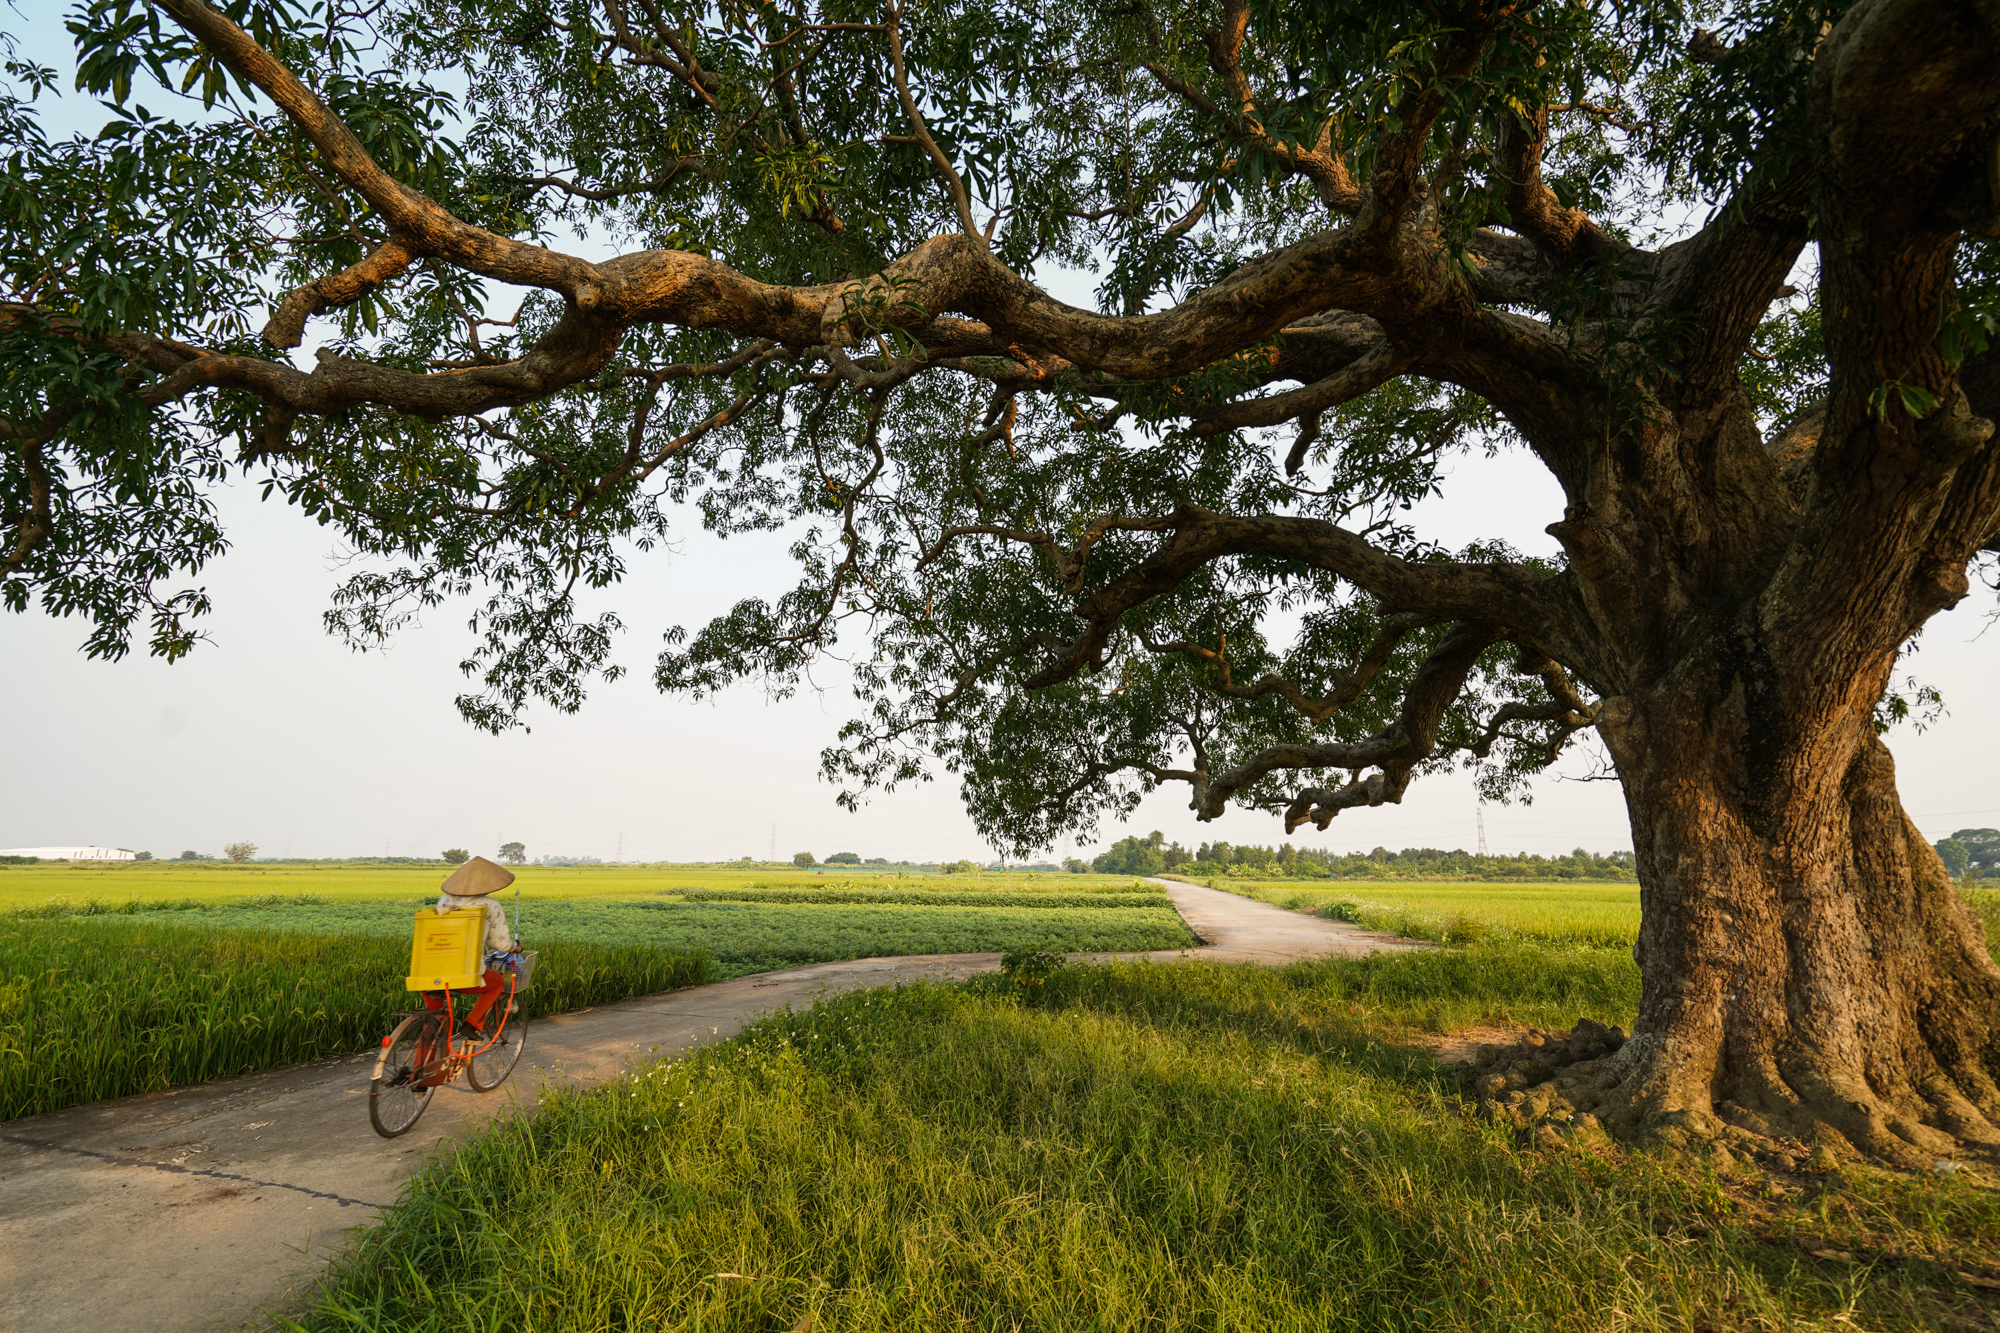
<point x="1713" y="289"/>
<point x="1566" y="235"/>
<point x="287" y="326"/>
<point x="1501" y="594"/>
<point x="1346" y="686"/>
<point x="1370" y="371"/>
<point x="422" y="225"/>
<point x="1353" y="269"/>
<point x="35" y="524"/>
<point x="1320" y="164"/>
<point x="1896" y="123"/>
<point x="1397" y="748"/>
<point x="954" y="182"/>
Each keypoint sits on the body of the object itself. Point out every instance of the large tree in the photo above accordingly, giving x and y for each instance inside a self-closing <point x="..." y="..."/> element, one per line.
<point x="565" y="265"/>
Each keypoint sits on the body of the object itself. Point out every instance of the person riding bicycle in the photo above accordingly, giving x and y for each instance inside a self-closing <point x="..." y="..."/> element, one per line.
<point x="470" y="886"/>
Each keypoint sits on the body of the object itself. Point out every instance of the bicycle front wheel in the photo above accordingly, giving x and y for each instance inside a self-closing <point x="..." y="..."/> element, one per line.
<point x="403" y="1082"/>
<point x="489" y="1068"/>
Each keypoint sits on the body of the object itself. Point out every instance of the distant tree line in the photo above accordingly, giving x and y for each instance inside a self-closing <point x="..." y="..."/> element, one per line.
<point x="1153" y="855"/>
<point x="1973" y="852"/>
<point x="806" y="860"/>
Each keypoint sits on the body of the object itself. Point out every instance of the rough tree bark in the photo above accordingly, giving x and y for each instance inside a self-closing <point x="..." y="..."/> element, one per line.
<point x="1809" y="970"/>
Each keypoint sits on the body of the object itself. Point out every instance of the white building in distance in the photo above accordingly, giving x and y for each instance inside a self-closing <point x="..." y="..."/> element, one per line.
<point x="71" y="853"/>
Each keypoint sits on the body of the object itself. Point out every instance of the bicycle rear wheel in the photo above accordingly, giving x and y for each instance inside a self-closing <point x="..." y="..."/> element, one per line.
<point x="402" y="1087"/>
<point x="489" y="1068"/>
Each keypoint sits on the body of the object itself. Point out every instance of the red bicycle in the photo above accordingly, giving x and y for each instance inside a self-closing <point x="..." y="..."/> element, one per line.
<point x="423" y="1054"/>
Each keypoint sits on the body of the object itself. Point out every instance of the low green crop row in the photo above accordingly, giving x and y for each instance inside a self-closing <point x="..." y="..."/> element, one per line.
<point x="932" y="886"/>
<point x="757" y="934"/>
<point x="101" y="1008"/>
<point x="751" y="935"/>
<point x="1035" y="898"/>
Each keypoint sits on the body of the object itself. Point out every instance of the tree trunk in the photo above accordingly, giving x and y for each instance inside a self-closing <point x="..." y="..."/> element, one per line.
<point x="1809" y="971"/>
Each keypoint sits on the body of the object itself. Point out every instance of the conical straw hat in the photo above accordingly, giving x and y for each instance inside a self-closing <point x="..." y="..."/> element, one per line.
<point x="477" y="878"/>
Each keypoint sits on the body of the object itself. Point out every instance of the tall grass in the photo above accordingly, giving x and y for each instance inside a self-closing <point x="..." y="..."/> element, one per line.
<point x="1180" y="1147"/>
<point x="102" y="1008"/>
<point x="1986" y="902"/>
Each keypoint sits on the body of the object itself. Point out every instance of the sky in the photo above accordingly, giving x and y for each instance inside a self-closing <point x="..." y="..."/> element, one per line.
<point x="276" y="734"/>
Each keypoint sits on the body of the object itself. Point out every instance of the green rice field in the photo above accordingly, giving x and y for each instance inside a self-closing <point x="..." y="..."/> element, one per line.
<point x="108" y="1006"/>
<point x="747" y="920"/>
<point x="130" y="978"/>
<point x="750" y="936"/>
<point x="211" y="881"/>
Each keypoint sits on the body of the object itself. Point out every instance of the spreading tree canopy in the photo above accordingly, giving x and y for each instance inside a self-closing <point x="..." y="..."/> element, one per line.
<point x="567" y="268"/>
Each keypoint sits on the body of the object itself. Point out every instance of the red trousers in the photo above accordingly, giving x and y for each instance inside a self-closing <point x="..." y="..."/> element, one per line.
<point x="496" y="984"/>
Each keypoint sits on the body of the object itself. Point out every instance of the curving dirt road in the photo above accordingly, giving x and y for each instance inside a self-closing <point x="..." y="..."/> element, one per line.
<point x="195" y="1210"/>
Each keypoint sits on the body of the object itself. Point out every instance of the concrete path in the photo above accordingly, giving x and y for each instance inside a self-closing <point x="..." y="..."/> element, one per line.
<point x="197" y="1209"/>
<point x="1243" y="930"/>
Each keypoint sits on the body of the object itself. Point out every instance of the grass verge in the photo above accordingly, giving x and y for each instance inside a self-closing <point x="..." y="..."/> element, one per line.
<point x="1185" y="1146"/>
<point x="1986" y="902"/>
<point x="98" y="1008"/>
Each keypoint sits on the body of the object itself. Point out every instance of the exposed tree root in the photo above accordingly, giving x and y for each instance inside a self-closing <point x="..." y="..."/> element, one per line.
<point x="1592" y="1085"/>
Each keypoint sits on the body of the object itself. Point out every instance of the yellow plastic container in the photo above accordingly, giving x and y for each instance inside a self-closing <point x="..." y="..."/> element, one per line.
<point x="449" y="950"/>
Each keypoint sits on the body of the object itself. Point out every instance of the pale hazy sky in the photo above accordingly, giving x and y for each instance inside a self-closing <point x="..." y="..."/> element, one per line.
<point x="277" y="734"/>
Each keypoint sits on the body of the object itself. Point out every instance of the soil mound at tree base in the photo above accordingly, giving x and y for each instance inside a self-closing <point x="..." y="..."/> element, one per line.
<point x="1544" y="1083"/>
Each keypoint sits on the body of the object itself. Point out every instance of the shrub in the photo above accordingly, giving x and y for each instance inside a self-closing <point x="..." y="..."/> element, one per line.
<point x="1028" y="970"/>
